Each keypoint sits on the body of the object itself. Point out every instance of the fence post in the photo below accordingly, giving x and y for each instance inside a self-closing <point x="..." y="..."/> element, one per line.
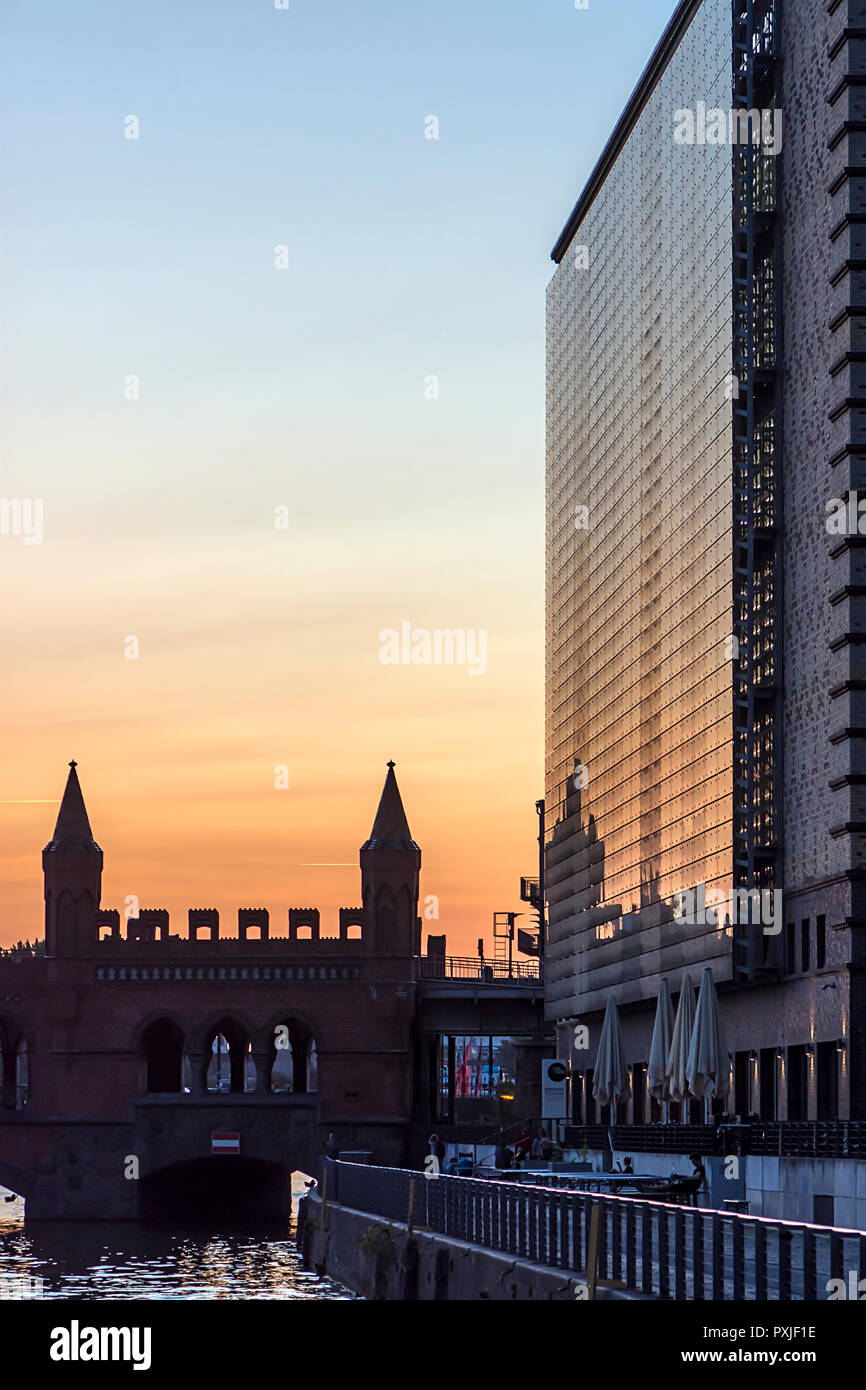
<point x="698" y="1256"/>
<point x="616" y="1219"/>
<point x="810" y="1267"/>
<point x="576" y="1205"/>
<point x="562" y="1233"/>
<point x="680" y="1253"/>
<point x="739" y="1259"/>
<point x="646" y="1248"/>
<point x="411" y="1213"/>
<point x="784" y="1249"/>
<point x="592" y="1250"/>
<point x="531" y="1224"/>
<point x="717" y="1257"/>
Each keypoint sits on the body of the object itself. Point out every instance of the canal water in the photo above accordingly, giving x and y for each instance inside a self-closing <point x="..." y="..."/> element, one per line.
<point x="122" y="1260"/>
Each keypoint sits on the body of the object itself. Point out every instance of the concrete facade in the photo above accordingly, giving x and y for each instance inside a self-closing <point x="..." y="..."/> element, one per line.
<point x="810" y="999"/>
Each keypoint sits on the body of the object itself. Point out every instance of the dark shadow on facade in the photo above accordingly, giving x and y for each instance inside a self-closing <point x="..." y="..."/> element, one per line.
<point x="162" y="1044"/>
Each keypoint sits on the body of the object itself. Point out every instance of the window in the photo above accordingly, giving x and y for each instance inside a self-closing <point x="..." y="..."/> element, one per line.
<point x="767" y="1082"/>
<point x="478" y="1079"/>
<point x="798" y="1083"/>
<point x="742" y="1101"/>
<point x="638" y="1090"/>
<point x="820" y="943"/>
<point x="828" y="1081"/>
<point x="804" y="944"/>
<point x="790" y="962"/>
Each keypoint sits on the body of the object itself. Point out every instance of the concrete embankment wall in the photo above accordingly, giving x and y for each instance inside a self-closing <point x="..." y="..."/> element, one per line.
<point x="379" y="1259"/>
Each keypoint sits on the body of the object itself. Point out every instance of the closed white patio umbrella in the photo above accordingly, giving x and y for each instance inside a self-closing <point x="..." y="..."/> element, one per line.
<point x="610" y="1078"/>
<point x="707" y="1069"/>
<point x="681" y="1041"/>
<point x="660" y="1046"/>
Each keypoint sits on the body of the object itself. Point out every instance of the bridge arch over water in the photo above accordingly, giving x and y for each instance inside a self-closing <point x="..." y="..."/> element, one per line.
<point x="18" y="1180"/>
<point x="222" y="1188"/>
<point x="15" y="1051"/>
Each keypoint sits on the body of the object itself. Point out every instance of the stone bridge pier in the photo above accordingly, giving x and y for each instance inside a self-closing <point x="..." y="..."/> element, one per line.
<point x="162" y="1162"/>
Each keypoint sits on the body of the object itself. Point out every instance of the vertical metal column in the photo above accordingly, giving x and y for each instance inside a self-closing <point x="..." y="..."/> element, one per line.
<point x="757" y="493"/>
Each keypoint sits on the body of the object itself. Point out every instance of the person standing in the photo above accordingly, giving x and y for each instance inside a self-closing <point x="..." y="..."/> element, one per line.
<point x="436" y="1148"/>
<point x="522" y="1144"/>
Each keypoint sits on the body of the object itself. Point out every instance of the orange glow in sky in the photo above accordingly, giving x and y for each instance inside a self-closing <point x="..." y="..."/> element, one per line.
<point x="258" y="654"/>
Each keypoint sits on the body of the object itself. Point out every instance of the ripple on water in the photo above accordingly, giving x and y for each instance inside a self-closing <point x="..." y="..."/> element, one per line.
<point x="123" y="1260"/>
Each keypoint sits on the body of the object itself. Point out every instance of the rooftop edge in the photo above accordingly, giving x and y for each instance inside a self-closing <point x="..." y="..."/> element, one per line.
<point x="661" y="56"/>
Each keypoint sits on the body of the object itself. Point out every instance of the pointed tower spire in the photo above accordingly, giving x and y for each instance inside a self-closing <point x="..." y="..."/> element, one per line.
<point x="390" y="865"/>
<point x="72" y="868"/>
<point x="390" y="828"/>
<point x="72" y="830"/>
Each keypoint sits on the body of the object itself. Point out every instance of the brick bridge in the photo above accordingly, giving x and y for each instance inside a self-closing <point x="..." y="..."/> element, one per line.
<point x="111" y="1086"/>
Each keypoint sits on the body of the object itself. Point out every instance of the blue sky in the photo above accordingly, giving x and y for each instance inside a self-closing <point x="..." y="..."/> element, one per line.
<point x="304" y="127"/>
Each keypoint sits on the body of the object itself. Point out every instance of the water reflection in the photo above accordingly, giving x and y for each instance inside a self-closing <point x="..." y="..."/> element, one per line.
<point x="124" y="1260"/>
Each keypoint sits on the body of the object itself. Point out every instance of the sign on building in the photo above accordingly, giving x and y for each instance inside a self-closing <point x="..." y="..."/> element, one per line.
<point x="223" y="1143"/>
<point x="554" y="1089"/>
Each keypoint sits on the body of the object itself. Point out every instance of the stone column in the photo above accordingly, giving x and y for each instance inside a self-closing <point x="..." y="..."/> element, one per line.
<point x="198" y="1062"/>
<point x="262" y="1061"/>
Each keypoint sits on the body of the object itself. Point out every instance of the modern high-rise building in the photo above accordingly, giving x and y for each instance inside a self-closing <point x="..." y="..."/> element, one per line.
<point x="706" y="577"/>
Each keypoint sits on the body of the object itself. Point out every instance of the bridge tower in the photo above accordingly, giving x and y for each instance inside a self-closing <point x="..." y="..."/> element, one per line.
<point x="72" y="868"/>
<point x="390" y="864"/>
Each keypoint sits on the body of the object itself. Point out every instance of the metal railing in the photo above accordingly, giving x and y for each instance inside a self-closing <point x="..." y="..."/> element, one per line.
<point x="655" y="1139"/>
<point x="761" y="1138"/>
<point x="653" y="1248"/>
<point x="473" y="968"/>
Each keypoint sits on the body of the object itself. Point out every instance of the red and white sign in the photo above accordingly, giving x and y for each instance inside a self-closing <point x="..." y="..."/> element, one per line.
<point x="225" y="1144"/>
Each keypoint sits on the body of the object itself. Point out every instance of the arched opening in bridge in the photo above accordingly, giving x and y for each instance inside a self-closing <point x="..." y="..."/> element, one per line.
<point x="216" y="1189"/>
<point x="162" y="1044"/>
<point x="229" y="1059"/>
<point x="22" y="1076"/>
<point x="15" y="1184"/>
<point x="10" y="1039"/>
<point x="294" y="1060"/>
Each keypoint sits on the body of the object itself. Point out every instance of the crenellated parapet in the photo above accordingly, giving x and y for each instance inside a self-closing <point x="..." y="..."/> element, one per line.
<point x="303" y="917"/>
<point x="108" y="919"/>
<point x="151" y="922"/>
<point x="204" y="918"/>
<point x="151" y="929"/>
<point x="352" y="917"/>
<point x="253" y="917"/>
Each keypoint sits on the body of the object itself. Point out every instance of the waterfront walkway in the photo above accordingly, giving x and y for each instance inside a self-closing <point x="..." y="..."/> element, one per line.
<point x="650" y="1247"/>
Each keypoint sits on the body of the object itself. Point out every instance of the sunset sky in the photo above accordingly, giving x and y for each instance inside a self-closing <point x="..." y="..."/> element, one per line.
<point x="304" y="388"/>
